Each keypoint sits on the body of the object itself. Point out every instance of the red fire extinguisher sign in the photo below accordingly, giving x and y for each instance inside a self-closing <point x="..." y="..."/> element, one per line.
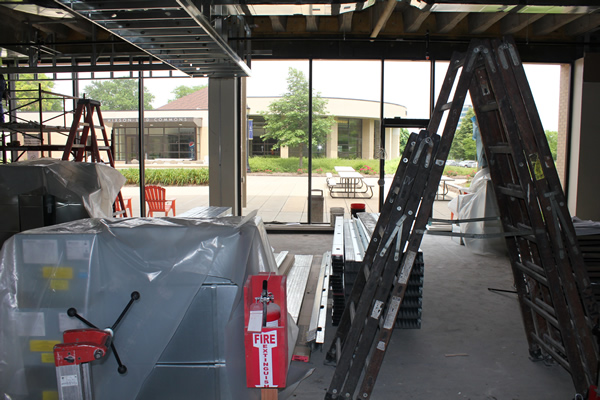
<point x="265" y="331"/>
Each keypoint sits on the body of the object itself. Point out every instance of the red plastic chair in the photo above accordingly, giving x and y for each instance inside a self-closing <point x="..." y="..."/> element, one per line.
<point x="155" y="198"/>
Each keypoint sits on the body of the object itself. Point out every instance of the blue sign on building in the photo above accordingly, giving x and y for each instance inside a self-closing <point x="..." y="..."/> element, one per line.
<point x="250" y="129"/>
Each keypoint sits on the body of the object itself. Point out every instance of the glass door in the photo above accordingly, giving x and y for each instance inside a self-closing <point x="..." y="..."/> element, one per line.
<point x="277" y="179"/>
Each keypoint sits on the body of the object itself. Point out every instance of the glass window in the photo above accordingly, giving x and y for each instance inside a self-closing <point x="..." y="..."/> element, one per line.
<point x="349" y="138"/>
<point x="258" y="146"/>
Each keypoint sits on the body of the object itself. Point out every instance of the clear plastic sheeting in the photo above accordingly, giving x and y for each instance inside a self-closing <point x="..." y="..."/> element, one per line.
<point x="480" y="202"/>
<point x="93" y="185"/>
<point x="190" y="275"/>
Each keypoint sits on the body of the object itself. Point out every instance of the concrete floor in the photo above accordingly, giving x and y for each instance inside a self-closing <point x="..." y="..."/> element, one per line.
<point x="471" y="345"/>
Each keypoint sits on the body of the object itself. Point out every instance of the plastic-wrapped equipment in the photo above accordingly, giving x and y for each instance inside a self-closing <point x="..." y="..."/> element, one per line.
<point x="182" y="339"/>
<point x="478" y="203"/>
<point x="45" y="191"/>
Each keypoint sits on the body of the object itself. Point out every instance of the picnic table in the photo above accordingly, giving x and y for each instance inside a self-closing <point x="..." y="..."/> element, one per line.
<point x="443" y="187"/>
<point x="343" y="169"/>
<point x="350" y="184"/>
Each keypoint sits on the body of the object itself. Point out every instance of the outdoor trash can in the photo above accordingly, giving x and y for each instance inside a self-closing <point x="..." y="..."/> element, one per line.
<point x="356" y="208"/>
<point x="316" y="205"/>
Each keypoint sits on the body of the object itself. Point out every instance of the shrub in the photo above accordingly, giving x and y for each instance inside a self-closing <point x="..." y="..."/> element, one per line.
<point x="367" y="170"/>
<point x="168" y="177"/>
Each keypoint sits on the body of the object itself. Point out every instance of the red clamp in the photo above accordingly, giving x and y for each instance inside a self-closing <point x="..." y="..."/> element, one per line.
<point x="81" y="346"/>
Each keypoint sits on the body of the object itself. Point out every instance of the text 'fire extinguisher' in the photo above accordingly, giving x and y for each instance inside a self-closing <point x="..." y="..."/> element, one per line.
<point x="265" y="331"/>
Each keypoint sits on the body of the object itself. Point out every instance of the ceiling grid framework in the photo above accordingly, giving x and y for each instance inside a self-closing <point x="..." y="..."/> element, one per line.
<point x="218" y="38"/>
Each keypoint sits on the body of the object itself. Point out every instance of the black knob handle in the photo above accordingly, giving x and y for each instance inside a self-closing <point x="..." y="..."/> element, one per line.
<point x="72" y="312"/>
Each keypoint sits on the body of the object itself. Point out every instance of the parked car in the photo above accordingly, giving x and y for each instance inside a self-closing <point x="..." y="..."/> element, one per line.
<point x="451" y="163"/>
<point x="468" y="164"/>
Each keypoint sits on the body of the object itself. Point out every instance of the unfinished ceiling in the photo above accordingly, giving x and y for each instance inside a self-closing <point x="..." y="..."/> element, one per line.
<point x="218" y="39"/>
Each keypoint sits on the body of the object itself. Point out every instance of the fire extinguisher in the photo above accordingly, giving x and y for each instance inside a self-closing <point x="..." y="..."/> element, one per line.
<point x="271" y="312"/>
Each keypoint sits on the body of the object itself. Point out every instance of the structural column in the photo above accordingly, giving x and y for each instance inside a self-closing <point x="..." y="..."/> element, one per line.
<point x="583" y="189"/>
<point x="224" y="143"/>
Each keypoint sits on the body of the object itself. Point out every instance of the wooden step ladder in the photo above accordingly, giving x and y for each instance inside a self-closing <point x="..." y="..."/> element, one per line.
<point x="83" y="139"/>
<point x="557" y="305"/>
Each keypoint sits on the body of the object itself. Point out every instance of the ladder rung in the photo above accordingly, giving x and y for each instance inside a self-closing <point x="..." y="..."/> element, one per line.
<point x="95" y="126"/>
<point x="532" y="273"/>
<point x="500" y="148"/>
<point x="520" y="230"/>
<point x="511" y="192"/>
<point x="535" y="268"/>
<point x="545" y="306"/>
<point x="541" y="311"/>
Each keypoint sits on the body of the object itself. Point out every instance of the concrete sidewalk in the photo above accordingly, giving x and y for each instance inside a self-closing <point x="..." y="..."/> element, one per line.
<point x="278" y="199"/>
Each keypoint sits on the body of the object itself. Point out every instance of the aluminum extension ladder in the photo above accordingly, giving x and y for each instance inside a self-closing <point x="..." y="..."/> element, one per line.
<point x="558" y="308"/>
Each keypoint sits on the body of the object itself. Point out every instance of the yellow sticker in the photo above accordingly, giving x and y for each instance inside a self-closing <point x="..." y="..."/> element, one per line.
<point x="48" y="358"/>
<point x="538" y="172"/>
<point x="42" y="345"/>
<point x="49" y="395"/>
<point x="57" y="272"/>
<point x="59" y="284"/>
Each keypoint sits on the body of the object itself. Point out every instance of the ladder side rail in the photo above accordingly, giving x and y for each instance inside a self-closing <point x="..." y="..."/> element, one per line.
<point x="73" y="132"/>
<point x="543" y="245"/>
<point x="94" y="138"/>
<point x="456" y="62"/>
<point x="107" y="142"/>
<point x="378" y="232"/>
<point x="557" y="201"/>
<point x="549" y="207"/>
<point x="83" y="138"/>
<point x="391" y="291"/>
<point x="378" y="265"/>
<point x="485" y="106"/>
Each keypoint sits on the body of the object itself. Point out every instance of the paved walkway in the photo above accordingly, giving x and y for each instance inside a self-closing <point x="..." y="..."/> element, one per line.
<point x="277" y="198"/>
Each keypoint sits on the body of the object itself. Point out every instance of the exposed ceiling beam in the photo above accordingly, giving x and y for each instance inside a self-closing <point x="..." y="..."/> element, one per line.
<point x="312" y="23"/>
<point x="552" y="22"/>
<point x="584" y="24"/>
<point x="383" y="18"/>
<point x="448" y="21"/>
<point x="515" y="22"/>
<point x="346" y="22"/>
<point x="481" y="22"/>
<point x="414" y="18"/>
<point x="278" y="23"/>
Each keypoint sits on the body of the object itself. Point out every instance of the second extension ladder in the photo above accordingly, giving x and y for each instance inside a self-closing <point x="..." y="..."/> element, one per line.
<point x="557" y="305"/>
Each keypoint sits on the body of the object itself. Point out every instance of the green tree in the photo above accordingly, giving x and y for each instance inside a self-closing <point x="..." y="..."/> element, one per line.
<point x="552" y="137"/>
<point x="404" y="135"/>
<point x="118" y="95"/>
<point x="287" y="118"/>
<point x="464" y="146"/>
<point x="27" y="94"/>
<point x="181" y="91"/>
